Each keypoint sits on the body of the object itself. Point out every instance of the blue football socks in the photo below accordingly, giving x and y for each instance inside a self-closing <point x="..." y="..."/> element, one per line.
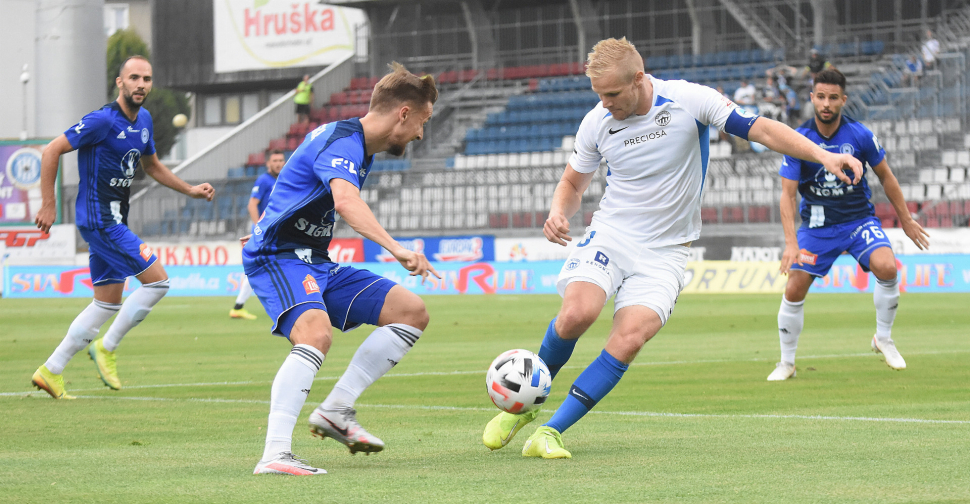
<point x="555" y="351"/>
<point x="593" y="384"/>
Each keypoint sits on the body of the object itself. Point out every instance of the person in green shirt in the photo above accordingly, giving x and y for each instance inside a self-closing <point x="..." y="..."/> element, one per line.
<point x="302" y="99"/>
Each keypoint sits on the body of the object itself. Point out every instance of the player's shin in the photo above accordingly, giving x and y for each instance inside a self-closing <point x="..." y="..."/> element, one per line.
<point x="791" y="319"/>
<point x="290" y="389"/>
<point x="381" y="351"/>
<point x="555" y="351"/>
<point x="886" y="298"/>
<point x="597" y="380"/>
<point x="82" y="332"/>
<point x="138" y="305"/>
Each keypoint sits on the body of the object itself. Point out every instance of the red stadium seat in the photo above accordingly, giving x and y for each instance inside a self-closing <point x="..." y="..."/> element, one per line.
<point x="757" y="214"/>
<point x="293" y="143"/>
<point x="338" y="98"/>
<point x="541" y="218"/>
<point x="467" y="75"/>
<point x="256" y="159"/>
<point x="521" y="220"/>
<point x="708" y="215"/>
<point x="732" y="215"/>
<point x="278" y="143"/>
<point x="912" y="206"/>
<point x="888" y="222"/>
<point x="498" y="220"/>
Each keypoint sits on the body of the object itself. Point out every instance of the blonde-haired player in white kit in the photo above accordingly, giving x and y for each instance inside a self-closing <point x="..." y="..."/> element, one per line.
<point x="653" y="135"/>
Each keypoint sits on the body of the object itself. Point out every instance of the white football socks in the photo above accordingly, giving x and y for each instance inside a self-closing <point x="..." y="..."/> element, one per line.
<point x="245" y="291"/>
<point x="886" y="298"/>
<point x="791" y="319"/>
<point x="290" y="390"/>
<point x="138" y="305"/>
<point x="381" y="351"/>
<point x="82" y="332"/>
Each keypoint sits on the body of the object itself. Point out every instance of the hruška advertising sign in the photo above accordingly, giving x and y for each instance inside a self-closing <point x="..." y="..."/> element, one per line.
<point x="264" y="34"/>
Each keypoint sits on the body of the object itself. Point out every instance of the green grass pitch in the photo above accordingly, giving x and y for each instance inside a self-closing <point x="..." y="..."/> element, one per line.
<point x="693" y="420"/>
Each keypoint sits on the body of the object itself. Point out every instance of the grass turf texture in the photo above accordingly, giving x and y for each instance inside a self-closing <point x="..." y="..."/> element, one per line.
<point x="693" y="420"/>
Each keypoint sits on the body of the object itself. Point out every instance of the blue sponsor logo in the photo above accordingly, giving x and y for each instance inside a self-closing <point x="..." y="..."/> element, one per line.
<point x="602" y="259"/>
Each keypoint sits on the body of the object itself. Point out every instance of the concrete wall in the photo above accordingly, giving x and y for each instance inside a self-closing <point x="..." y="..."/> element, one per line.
<point x="17" y="43"/>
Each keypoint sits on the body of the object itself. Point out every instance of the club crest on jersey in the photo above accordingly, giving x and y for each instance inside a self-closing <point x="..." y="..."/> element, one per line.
<point x="310" y="285"/>
<point x="129" y="161"/>
<point x="847" y="149"/>
<point x="573" y="264"/>
<point x="23" y="168"/>
<point x="663" y="118"/>
<point x="145" y="251"/>
<point x="808" y="257"/>
<point x="144" y="135"/>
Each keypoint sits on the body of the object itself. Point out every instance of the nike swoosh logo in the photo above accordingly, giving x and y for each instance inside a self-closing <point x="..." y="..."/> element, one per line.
<point x="548" y="451"/>
<point x="612" y="132"/>
<point x="506" y="440"/>
<point x="343" y="432"/>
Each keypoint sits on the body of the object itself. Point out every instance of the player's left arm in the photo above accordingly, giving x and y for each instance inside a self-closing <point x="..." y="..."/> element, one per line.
<point x="780" y="138"/>
<point x="912" y="228"/>
<point x="158" y="171"/>
<point x="354" y="210"/>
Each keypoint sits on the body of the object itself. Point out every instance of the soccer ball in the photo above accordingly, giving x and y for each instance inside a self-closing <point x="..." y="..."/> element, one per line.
<point x="518" y="381"/>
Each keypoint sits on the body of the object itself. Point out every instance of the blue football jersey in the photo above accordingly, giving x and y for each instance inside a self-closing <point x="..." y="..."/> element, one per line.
<point x="109" y="148"/>
<point x="261" y="191"/>
<point x="827" y="200"/>
<point x="300" y="214"/>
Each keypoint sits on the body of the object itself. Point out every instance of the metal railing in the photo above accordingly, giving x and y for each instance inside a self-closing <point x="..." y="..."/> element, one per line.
<point x="234" y="147"/>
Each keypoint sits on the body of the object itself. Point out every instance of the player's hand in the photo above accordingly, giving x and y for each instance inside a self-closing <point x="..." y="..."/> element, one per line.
<point x="791" y="255"/>
<point x="245" y="239"/>
<point x="45" y="217"/>
<point x="916" y="233"/>
<point x="416" y="263"/>
<point x="836" y="163"/>
<point x="556" y="229"/>
<point x="200" y="191"/>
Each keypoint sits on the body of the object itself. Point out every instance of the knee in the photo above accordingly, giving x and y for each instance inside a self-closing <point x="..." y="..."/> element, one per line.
<point x="574" y="320"/>
<point x="884" y="270"/>
<point x="320" y="340"/>
<point x="415" y="313"/>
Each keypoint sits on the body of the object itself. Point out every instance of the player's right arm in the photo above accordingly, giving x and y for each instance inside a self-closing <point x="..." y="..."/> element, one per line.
<point x="355" y="212"/>
<point x="253" y="209"/>
<point x="792" y="253"/>
<point x="565" y="203"/>
<point x="49" y="161"/>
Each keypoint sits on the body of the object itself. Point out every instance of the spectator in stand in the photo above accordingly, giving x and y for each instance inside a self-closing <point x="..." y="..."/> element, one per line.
<point x="771" y="102"/>
<point x="793" y="106"/>
<point x="302" y="99"/>
<point x="745" y="94"/>
<point x="931" y="49"/>
<point x="816" y="63"/>
<point x="913" y="71"/>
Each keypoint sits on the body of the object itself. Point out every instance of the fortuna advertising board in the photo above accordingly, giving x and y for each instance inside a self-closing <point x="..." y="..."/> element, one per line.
<point x="265" y="34"/>
<point x="923" y="273"/>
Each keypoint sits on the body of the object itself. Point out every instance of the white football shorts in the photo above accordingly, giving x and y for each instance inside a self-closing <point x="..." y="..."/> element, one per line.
<point x="636" y="275"/>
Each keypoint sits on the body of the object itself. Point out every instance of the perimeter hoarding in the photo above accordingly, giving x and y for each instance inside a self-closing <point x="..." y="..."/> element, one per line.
<point x="265" y="34"/>
<point x="20" y="197"/>
<point x="924" y="273"/>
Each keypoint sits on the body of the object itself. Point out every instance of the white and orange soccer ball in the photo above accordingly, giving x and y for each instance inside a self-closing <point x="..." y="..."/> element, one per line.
<point x="518" y="381"/>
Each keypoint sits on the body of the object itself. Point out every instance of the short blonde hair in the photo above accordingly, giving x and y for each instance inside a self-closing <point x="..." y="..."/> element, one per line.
<point x="402" y="87"/>
<point x="610" y="55"/>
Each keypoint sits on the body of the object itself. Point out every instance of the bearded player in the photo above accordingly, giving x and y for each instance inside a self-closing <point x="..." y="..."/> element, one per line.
<point x="111" y="143"/>
<point x="838" y="218"/>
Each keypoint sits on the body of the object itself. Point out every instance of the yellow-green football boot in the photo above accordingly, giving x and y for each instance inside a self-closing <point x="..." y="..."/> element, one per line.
<point x="106" y="362"/>
<point x="49" y="382"/>
<point x="241" y="314"/>
<point x="546" y="442"/>
<point x="501" y="429"/>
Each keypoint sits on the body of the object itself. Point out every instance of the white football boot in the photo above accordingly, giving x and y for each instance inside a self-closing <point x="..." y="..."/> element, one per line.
<point x="286" y="463"/>
<point x="342" y="425"/>
<point x="783" y="371"/>
<point x="888" y="350"/>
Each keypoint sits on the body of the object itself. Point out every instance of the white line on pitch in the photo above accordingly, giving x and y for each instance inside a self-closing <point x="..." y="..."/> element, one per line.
<point x="594" y="412"/>
<point x="481" y="371"/>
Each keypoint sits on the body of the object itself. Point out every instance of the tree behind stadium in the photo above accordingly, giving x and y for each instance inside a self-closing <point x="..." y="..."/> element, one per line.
<point x="164" y="104"/>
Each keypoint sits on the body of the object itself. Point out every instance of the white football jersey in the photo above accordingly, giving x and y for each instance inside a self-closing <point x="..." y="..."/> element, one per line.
<point x="656" y="162"/>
